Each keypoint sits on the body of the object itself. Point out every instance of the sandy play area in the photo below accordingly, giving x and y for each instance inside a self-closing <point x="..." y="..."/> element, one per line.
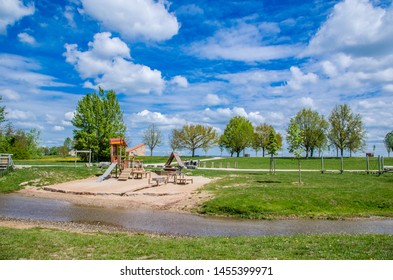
<point x="133" y="193"/>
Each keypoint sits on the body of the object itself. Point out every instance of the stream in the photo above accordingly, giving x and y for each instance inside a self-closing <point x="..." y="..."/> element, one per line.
<point x="21" y="207"/>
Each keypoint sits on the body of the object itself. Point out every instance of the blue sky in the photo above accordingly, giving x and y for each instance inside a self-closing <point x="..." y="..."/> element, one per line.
<point x="178" y="62"/>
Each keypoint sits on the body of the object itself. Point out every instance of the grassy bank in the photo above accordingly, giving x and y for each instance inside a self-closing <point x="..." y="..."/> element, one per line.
<point x="54" y="244"/>
<point x="265" y="196"/>
<point x="42" y="176"/>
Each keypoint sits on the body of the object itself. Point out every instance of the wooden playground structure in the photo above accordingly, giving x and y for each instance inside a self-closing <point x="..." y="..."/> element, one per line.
<point x="126" y="167"/>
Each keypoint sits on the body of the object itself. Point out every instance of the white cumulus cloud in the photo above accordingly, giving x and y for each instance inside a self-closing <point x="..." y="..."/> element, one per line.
<point x="134" y="19"/>
<point x="180" y="81"/>
<point x="11" y="11"/>
<point x="26" y="38"/>
<point x="107" y="62"/>
<point x="355" y="27"/>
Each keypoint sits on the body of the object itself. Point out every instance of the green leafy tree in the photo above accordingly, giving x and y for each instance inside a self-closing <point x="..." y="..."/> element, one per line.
<point x="97" y="119"/>
<point x="238" y="135"/>
<point x="193" y="137"/>
<point x="346" y="129"/>
<point x="295" y="142"/>
<point x="152" y="137"/>
<point x="22" y="144"/>
<point x="2" y="112"/>
<point x="273" y="145"/>
<point x="261" y="137"/>
<point x="388" y="141"/>
<point x="314" y="129"/>
<point x="68" y="143"/>
<point x="174" y="142"/>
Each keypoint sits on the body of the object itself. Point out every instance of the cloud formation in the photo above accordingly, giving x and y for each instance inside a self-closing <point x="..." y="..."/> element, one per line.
<point x="244" y="42"/>
<point x="11" y="11"/>
<point x="136" y="19"/>
<point x="108" y="64"/>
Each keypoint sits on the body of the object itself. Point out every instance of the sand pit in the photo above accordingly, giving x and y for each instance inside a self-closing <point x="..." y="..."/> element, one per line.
<point x="133" y="193"/>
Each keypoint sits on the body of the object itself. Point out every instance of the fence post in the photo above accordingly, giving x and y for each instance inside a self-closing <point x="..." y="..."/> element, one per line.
<point x="204" y="164"/>
<point x="228" y="165"/>
<point x="236" y="164"/>
<point x="367" y="164"/>
<point x="212" y="164"/>
<point x="220" y="165"/>
<point x="322" y="166"/>
<point x="379" y="165"/>
<point x="342" y="165"/>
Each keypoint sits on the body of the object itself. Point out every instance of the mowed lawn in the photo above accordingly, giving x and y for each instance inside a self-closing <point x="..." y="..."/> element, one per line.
<point x="260" y="195"/>
<point x="353" y="163"/>
<point x="52" y="244"/>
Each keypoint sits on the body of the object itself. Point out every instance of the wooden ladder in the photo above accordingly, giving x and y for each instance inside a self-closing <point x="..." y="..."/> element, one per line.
<point x="125" y="174"/>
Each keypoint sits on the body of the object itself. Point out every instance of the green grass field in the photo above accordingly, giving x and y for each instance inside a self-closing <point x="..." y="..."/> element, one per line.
<point x="266" y="196"/>
<point x="45" y="244"/>
<point x="354" y="163"/>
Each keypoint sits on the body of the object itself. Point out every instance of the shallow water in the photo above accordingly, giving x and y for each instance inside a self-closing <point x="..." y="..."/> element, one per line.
<point x="16" y="206"/>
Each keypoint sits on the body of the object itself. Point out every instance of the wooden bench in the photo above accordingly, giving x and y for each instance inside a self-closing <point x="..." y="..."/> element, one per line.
<point x="159" y="180"/>
<point x="184" y="181"/>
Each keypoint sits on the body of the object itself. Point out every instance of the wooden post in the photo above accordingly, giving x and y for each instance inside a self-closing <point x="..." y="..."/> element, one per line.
<point x="342" y="165"/>
<point x="212" y="164"/>
<point x="204" y="164"/>
<point x="220" y="165"/>
<point x="228" y="165"/>
<point x="379" y="165"/>
<point x="367" y="164"/>
<point x="322" y="166"/>
<point x="236" y="164"/>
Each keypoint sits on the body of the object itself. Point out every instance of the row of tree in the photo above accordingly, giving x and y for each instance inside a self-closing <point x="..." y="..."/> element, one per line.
<point x="343" y="130"/>
<point x="98" y="117"/>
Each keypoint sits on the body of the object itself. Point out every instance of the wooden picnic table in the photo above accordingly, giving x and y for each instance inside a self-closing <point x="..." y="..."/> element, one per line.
<point x="140" y="174"/>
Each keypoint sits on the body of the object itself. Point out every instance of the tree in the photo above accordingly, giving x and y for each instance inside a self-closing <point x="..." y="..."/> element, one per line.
<point x="346" y="129"/>
<point x="174" y="142"/>
<point x="2" y="112"/>
<point x="193" y="137"/>
<point x="314" y="129"/>
<point x="295" y="140"/>
<point x="237" y="135"/>
<point x="262" y="133"/>
<point x="97" y="119"/>
<point x="152" y="137"/>
<point x="68" y="144"/>
<point x="273" y="145"/>
<point x="22" y="144"/>
<point x="388" y="141"/>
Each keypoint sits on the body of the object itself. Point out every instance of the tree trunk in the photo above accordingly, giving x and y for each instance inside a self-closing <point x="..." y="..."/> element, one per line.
<point x="342" y="152"/>
<point x="193" y="152"/>
<point x="151" y="152"/>
<point x="300" y="174"/>
<point x="263" y="152"/>
<point x="237" y="154"/>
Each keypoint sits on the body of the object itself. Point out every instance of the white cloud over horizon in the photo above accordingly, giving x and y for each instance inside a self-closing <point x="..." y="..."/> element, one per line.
<point x="140" y="19"/>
